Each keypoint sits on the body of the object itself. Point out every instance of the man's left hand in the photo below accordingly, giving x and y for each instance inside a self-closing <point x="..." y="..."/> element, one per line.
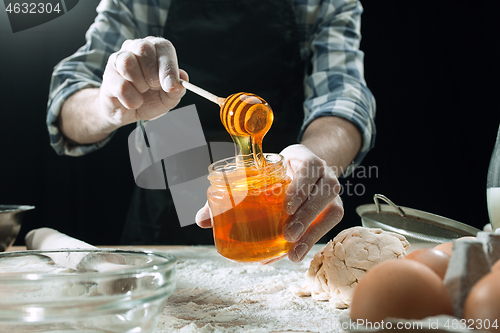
<point x="312" y="200"/>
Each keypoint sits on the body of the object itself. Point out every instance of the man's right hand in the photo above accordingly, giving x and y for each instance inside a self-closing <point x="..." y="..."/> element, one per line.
<point x="141" y="81"/>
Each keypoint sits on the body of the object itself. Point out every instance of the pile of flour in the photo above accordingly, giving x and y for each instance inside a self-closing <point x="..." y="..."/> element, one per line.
<point x="216" y="295"/>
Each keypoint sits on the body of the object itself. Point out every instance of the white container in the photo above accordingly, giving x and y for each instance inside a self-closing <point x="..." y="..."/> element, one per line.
<point x="493" y="185"/>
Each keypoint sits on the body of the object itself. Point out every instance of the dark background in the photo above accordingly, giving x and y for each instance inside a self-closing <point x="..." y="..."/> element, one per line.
<point x="432" y="69"/>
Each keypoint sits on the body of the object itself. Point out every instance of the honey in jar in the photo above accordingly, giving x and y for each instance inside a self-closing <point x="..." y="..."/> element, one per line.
<point x="247" y="207"/>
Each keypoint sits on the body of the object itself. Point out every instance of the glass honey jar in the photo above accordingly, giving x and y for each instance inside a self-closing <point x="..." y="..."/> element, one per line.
<point x="247" y="207"/>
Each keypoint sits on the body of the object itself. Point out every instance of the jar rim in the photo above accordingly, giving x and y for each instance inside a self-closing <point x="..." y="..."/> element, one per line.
<point x="228" y="165"/>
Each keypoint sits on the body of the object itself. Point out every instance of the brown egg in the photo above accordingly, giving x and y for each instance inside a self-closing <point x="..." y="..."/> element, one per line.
<point x="432" y="258"/>
<point x="448" y="247"/>
<point x="482" y="305"/>
<point x="400" y="289"/>
<point x="496" y="266"/>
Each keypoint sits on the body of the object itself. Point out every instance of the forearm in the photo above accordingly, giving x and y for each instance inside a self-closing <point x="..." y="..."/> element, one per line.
<point x="334" y="139"/>
<point x="81" y="121"/>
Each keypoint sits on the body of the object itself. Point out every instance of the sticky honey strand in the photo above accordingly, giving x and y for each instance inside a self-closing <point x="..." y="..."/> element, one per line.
<point x="247" y="118"/>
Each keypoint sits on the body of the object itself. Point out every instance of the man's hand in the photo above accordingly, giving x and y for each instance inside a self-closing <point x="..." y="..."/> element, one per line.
<point x="141" y="81"/>
<point x="312" y="201"/>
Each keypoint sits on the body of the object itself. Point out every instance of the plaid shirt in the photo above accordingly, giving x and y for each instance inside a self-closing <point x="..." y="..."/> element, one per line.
<point x="329" y="33"/>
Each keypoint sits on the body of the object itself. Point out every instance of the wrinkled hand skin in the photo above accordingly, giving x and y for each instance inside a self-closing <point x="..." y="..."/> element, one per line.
<point x="336" y="269"/>
<point x="141" y="81"/>
<point x="312" y="201"/>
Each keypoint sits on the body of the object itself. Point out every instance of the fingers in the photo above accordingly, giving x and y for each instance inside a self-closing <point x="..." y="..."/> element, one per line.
<point x="313" y="187"/>
<point x="312" y="200"/>
<point x="170" y="100"/>
<point x="306" y="169"/>
<point x="149" y="64"/>
<point x="158" y="60"/>
<point x="325" y="221"/>
<point x="317" y="198"/>
<point x="203" y="217"/>
<point x="144" y="51"/>
<point x="293" y="156"/>
<point x="168" y="69"/>
<point x="118" y="87"/>
<point x="183" y="75"/>
<point x="309" y="172"/>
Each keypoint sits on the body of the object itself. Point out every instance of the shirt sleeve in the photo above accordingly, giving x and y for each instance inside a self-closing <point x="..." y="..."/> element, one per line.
<point x="335" y="84"/>
<point x="114" y="24"/>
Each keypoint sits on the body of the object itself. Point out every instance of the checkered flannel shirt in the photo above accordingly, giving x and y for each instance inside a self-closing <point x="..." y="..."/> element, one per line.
<point x="329" y="32"/>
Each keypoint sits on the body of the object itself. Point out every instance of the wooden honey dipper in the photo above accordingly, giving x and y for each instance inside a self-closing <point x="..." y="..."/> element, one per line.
<point x="247" y="118"/>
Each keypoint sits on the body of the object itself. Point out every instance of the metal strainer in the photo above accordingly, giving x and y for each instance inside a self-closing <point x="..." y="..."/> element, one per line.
<point x="417" y="226"/>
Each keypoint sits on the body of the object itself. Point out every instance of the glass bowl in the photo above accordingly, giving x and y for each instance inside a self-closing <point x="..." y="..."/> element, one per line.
<point x="106" y="290"/>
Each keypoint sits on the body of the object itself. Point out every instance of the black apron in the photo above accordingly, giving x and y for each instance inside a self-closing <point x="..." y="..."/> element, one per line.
<point x="226" y="46"/>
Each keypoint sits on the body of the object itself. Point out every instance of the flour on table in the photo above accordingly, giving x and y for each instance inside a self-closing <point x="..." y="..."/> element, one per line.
<point x="216" y="295"/>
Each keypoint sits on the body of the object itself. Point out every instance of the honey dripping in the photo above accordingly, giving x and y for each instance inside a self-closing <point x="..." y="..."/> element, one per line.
<point x="247" y="118"/>
<point x="246" y="196"/>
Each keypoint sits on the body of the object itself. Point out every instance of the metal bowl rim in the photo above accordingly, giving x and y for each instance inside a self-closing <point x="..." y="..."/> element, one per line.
<point x="410" y="212"/>
<point x="15" y="208"/>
